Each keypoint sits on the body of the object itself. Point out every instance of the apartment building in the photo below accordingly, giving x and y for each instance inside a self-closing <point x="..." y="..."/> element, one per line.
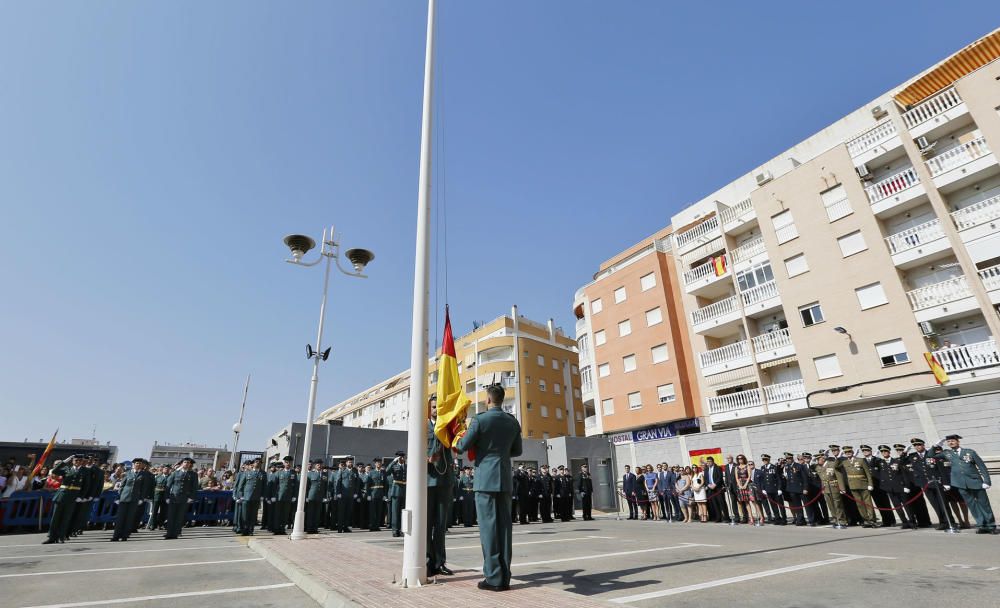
<point x="831" y="269"/>
<point x="634" y="349"/>
<point x="203" y="455"/>
<point x="547" y="401"/>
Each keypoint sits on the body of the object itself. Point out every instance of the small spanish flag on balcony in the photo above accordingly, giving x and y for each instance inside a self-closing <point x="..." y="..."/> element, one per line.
<point x="939" y="374"/>
<point x="452" y="402"/>
<point x="719" y="264"/>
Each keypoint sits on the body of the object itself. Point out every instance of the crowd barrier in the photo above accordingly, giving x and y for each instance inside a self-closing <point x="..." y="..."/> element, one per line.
<point x="34" y="509"/>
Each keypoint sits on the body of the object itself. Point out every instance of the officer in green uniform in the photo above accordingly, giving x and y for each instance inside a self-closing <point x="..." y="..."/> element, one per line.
<point x="467" y="487"/>
<point x="860" y="483"/>
<point x="267" y="497"/>
<point x="91" y="487"/>
<point x="834" y="478"/>
<point x="585" y="488"/>
<point x="248" y="492"/>
<point x="376" y="497"/>
<point x="136" y="489"/>
<point x="285" y="488"/>
<point x="158" y="508"/>
<point x="182" y="486"/>
<point x="495" y="436"/>
<point x="332" y="504"/>
<point x="970" y="477"/>
<point x="315" y="495"/>
<point x="65" y="499"/>
<point x="348" y="486"/>
<point x="396" y="478"/>
<point x="440" y="477"/>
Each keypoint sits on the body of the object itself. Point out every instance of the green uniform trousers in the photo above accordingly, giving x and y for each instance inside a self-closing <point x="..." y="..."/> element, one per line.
<point x="835" y="503"/>
<point x="865" y="507"/>
<point x="176" y="517"/>
<point x="314" y="508"/>
<point x="281" y="510"/>
<point x="125" y="519"/>
<point x="247" y="519"/>
<point x="439" y="499"/>
<point x="495" y="535"/>
<point x="62" y="518"/>
<point x="396" y="504"/>
<point x="979" y="506"/>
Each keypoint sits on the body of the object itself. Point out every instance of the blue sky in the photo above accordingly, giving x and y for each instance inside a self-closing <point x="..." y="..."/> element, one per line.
<point x="154" y="155"/>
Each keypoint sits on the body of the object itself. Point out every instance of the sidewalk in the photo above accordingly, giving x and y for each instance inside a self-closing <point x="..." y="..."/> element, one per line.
<point x="341" y="572"/>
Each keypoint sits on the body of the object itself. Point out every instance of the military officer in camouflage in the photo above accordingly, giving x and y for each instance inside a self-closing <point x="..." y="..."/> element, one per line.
<point x="248" y="492"/>
<point x="182" y="485"/>
<point x="834" y="478"/>
<point x="970" y="477"/>
<point x="396" y="478"/>
<point x="65" y="499"/>
<point x="137" y="488"/>
<point x="860" y="483"/>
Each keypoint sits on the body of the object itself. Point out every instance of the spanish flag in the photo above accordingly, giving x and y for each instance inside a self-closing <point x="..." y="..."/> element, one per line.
<point x="939" y="374"/>
<point x="719" y="264"/>
<point x="41" y="461"/>
<point x="452" y="402"/>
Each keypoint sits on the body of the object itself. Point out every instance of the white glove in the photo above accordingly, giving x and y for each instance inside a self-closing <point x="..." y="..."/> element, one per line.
<point x="337" y="496"/>
<point x="907" y="490"/>
<point x="239" y="500"/>
<point x="117" y="502"/>
<point x="765" y="492"/>
<point x="168" y="501"/>
<point x="78" y="500"/>
<point x="870" y="488"/>
<point x="461" y="498"/>
<point x="369" y="499"/>
<point x="273" y="499"/>
<point x="326" y="500"/>
<point x="946" y="488"/>
<point x="355" y="496"/>
<point x="294" y="499"/>
<point x="190" y="500"/>
<point x="986" y="486"/>
<point x="780" y="492"/>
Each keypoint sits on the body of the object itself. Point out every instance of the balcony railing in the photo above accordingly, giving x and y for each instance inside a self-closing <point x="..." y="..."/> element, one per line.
<point x="747" y="250"/>
<point x="760" y="293"/>
<point x="735" y="401"/>
<point x="737" y="211"/>
<point x="699" y="272"/>
<point x="714" y="310"/>
<point x="977" y="213"/>
<point x="871" y="138"/>
<point x="929" y="108"/>
<point x="927" y="296"/>
<point x="914" y="237"/>
<point x="958" y="156"/>
<point x="590" y="422"/>
<point x="724" y="354"/>
<point x="772" y="341"/>
<point x="697" y="233"/>
<point x="990" y="277"/>
<point x="786" y="391"/>
<point x="892" y="185"/>
<point x="839" y="209"/>
<point x="970" y="356"/>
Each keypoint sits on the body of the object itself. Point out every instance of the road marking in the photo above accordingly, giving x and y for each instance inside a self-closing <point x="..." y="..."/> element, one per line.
<point x="604" y="555"/>
<point x="537" y="542"/>
<point x="738" y="579"/>
<point x="224" y="561"/>
<point x="147" y="598"/>
<point x="89" y="553"/>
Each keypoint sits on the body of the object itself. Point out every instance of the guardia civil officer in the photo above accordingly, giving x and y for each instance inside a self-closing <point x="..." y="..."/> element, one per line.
<point x="285" y="488"/>
<point x="315" y="495"/>
<point x="585" y="487"/>
<point x="468" y="497"/>
<point x="248" y="492"/>
<point x="65" y="499"/>
<point x="91" y="488"/>
<point x="440" y="477"/>
<point x="346" y="491"/>
<point x="182" y="486"/>
<point x="136" y="490"/>
<point x="969" y="475"/>
<point x="396" y="475"/>
<point x="376" y="497"/>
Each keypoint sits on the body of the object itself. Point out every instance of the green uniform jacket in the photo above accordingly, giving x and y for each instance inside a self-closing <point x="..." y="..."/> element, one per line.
<point x="96" y="482"/>
<point x="315" y="486"/>
<point x="968" y="470"/>
<point x="182" y="485"/>
<point x="286" y="485"/>
<point x="440" y="467"/>
<point x="496" y="437"/>
<point x="72" y="479"/>
<point x="160" y="486"/>
<point x="396" y="479"/>
<point x="137" y="486"/>
<point x="859" y="476"/>
<point x="376" y="485"/>
<point x="250" y="485"/>
<point x="832" y="472"/>
<point x="348" y="483"/>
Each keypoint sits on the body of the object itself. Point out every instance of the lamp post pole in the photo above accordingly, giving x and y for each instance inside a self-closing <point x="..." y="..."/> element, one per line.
<point x="238" y="427"/>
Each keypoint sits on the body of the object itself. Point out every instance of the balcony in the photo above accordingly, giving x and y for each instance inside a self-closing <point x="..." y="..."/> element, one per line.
<point x="957" y="359"/>
<point x="934" y="111"/>
<point x="748" y="251"/>
<point x="704" y="281"/>
<point x="760" y="299"/>
<point x="581" y="327"/>
<point x="717" y="318"/>
<point x="960" y="162"/>
<point x="991" y="281"/>
<point x="874" y="142"/>
<point x="697" y="235"/>
<point x="738" y="215"/>
<point x="942" y="300"/>
<point x="785" y="397"/>
<point x="773" y="345"/>
<point x="976" y="214"/>
<point x="749" y="402"/>
<point x="898" y="188"/>
<point x="725" y="358"/>
<point x="589" y="424"/>
<point x="914" y="244"/>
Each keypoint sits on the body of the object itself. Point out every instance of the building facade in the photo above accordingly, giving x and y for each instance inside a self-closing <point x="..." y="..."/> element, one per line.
<point x="203" y="455"/>
<point x="830" y="270"/>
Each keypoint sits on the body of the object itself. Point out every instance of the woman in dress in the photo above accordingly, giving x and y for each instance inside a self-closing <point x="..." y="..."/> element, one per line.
<point x="700" y="495"/>
<point x="652" y="487"/>
<point x="743" y="492"/>
<point x="684" y="494"/>
<point x="756" y="496"/>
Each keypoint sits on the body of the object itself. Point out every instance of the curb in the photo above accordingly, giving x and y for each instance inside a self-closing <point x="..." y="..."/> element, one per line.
<point x="323" y="595"/>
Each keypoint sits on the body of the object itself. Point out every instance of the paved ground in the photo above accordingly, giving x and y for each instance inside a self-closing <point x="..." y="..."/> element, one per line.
<point x="633" y="563"/>
<point x="206" y="566"/>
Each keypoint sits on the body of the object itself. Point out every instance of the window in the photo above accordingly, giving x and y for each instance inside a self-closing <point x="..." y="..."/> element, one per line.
<point x="654" y="316"/>
<point x="620" y="295"/>
<point x="576" y="393"/>
<point x="527" y="379"/>
<point x="852" y="243"/>
<point x="579" y="416"/>
<point x="634" y="401"/>
<point x="836" y="203"/>
<point x="529" y="405"/>
<point x="600" y="338"/>
<point x="624" y="328"/>
<point x="558" y="413"/>
<point x="596" y="306"/>
<point x="628" y="362"/>
<point x="603" y="370"/>
<point x="659" y="353"/>
<point x="647" y="282"/>
<point x="544" y="411"/>
<point x="827" y="366"/>
<point x="811" y="314"/>
<point x="541" y="385"/>
<point x="574" y="369"/>
<point x="665" y="393"/>
<point x="796" y="265"/>
<point x="556" y="388"/>
<point x="555" y="364"/>
<point x="756" y="275"/>
<point x="541" y="360"/>
<point x="871" y="296"/>
<point x="892" y="352"/>
<point x="784" y="226"/>
<point x="608" y="406"/>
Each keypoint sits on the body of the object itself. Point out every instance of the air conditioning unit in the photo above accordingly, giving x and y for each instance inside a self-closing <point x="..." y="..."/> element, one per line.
<point x="763" y="177"/>
<point x="863" y="171"/>
<point x="925" y="146"/>
<point x="879" y="112"/>
<point x="927" y="329"/>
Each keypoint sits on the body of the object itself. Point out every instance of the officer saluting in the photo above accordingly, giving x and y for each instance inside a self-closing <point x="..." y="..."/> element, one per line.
<point x="969" y="475"/>
<point x="136" y="489"/>
<point x="65" y="499"/>
<point x="181" y="487"/>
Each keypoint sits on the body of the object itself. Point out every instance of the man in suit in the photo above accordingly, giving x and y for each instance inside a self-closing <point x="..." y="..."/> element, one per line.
<point x="672" y="510"/>
<point x="629" y="489"/>
<point x="136" y="489"/>
<point x="440" y="494"/>
<point x="585" y="486"/>
<point x="182" y="485"/>
<point x="716" y="491"/>
<point x="970" y="477"/>
<point x="495" y="436"/>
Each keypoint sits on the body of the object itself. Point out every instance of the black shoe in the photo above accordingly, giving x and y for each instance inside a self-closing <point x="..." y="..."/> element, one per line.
<point x="49" y="541"/>
<point x="488" y="587"/>
<point x="445" y="570"/>
<point x="984" y="531"/>
<point x="941" y="527"/>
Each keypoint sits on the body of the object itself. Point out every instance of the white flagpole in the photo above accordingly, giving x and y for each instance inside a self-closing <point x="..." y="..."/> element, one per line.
<point x="415" y="515"/>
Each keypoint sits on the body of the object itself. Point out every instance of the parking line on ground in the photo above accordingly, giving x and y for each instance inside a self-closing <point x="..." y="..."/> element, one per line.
<point x="738" y="579"/>
<point x="538" y="542"/>
<point x="88" y="553"/>
<point x="222" y="561"/>
<point x="603" y="555"/>
<point x="147" y="598"/>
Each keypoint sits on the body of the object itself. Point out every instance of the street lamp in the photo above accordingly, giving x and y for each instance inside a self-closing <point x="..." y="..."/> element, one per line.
<point x="300" y="245"/>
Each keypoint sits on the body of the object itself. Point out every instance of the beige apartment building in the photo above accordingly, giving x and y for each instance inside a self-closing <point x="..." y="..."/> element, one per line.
<point x="633" y="343"/>
<point x="830" y="270"/>
<point x="547" y="401"/>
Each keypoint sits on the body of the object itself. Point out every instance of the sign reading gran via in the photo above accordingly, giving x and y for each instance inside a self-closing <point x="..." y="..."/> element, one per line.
<point x="655" y="433"/>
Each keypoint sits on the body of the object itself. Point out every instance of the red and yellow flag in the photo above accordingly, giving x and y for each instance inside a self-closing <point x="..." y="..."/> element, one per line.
<point x="452" y="402"/>
<point x="41" y="461"/>
<point x="939" y="374"/>
<point x="719" y="264"/>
